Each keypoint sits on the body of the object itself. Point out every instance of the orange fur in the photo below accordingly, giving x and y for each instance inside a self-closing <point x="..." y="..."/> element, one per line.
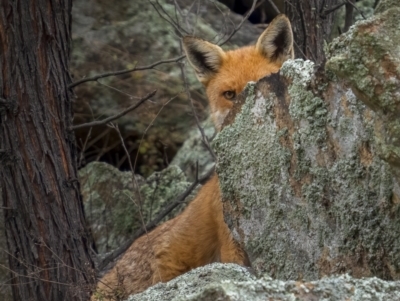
<point x="238" y="68"/>
<point x="200" y="235"/>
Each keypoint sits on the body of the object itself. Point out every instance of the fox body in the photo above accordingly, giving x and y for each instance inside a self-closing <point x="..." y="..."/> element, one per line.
<point x="199" y="235"/>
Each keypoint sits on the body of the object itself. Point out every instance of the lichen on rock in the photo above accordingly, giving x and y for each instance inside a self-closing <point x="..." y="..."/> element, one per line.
<point x="369" y="60"/>
<point x="116" y="205"/>
<point x="190" y="284"/>
<point x="303" y="187"/>
<point x="194" y="154"/>
<point x="230" y="282"/>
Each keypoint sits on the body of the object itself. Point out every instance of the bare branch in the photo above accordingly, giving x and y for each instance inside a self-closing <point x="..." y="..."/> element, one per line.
<point x="236" y="29"/>
<point x="116" y="116"/>
<point x="276" y="9"/>
<point x="113" y="255"/>
<point x="331" y="10"/>
<point x="357" y="9"/>
<point x="134" y="180"/>
<point x="348" y="20"/>
<point x="151" y="66"/>
<point x="120" y="72"/>
<point x="168" y="18"/>
<point x="203" y="135"/>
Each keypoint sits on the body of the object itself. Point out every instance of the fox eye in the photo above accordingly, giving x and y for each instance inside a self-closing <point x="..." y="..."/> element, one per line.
<point x="230" y="95"/>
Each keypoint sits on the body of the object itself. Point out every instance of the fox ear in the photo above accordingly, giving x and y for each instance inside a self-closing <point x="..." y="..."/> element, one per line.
<point x="276" y="42"/>
<point x="206" y="58"/>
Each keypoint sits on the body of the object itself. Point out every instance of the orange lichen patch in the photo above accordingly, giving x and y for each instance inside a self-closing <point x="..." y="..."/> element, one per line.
<point x="344" y="103"/>
<point x="298" y="184"/>
<point x="325" y="263"/>
<point x="390" y="67"/>
<point x="354" y="263"/>
<point x="304" y="285"/>
<point x="305" y="291"/>
<point x="365" y="155"/>
<point x="321" y="158"/>
<point x="368" y="115"/>
<point x="334" y="147"/>
<point x="395" y="199"/>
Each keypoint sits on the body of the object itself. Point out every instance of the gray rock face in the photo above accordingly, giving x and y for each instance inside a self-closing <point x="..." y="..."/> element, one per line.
<point x="229" y="282"/>
<point x="193" y="152"/>
<point x="193" y="282"/>
<point x="304" y="188"/>
<point x="368" y="58"/>
<point x="116" y="205"/>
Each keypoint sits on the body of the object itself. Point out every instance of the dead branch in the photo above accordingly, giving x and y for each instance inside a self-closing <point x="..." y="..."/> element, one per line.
<point x="168" y="18"/>
<point x="357" y="9"/>
<point x="151" y="66"/>
<point x="331" y="10"/>
<point x="236" y="29"/>
<point x="203" y="135"/>
<point x="116" y="116"/>
<point x="120" y="72"/>
<point x="276" y="9"/>
<point x="149" y="226"/>
<point x="348" y="20"/>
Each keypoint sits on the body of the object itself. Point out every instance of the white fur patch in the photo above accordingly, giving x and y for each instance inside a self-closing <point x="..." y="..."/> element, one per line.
<point x="218" y="118"/>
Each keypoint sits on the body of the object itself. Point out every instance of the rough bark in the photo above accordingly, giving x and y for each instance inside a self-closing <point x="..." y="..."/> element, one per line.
<point x="48" y="244"/>
<point x="310" y="174"/>
<point x="312" y="24"/>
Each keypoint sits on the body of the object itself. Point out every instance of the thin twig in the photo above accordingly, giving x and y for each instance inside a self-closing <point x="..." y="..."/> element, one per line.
<point x="348" y="20"/>
<point x="304" y="26"/>
<point x="116" y="116"/>
<point x="116" y="89"/>
<point x="149" y="126"/>
<point x="168" y="19"/>
<point x="300" y="50"/>
<point x="203" y="135"/>
<point x="82" y="156"/>
<point x="332" y="9"/>
<point x="151" y="66"/>
<point x="355" y="6"/>
<point x="276" y="9"/>
<point x="152" y="224"/>
<point x="134" y="180"/>
<point x="120" y="72"/>
<point x="236" y="29"/>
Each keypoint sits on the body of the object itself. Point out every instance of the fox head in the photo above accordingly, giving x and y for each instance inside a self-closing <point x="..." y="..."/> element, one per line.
<point x="226" y="73"/>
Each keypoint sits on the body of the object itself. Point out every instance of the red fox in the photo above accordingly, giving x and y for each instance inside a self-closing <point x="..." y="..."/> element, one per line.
<point x="199" y="235"/>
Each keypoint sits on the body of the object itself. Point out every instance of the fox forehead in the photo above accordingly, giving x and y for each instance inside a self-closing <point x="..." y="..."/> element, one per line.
<point x="222" y="71"/>
<point x="238" y="67"/>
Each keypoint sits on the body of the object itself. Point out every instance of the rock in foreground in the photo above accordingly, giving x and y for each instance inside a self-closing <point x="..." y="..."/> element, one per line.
<point x="230" y="282"/>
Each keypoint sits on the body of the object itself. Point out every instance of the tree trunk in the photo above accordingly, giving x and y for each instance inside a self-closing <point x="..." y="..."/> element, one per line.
<point x="312" y="23"/>
<point x="47" y="240"/>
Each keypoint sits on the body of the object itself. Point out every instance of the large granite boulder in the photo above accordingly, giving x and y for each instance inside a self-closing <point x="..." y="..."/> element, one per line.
<point x="304" y="188"/>
<point x="368" y="58"/>
<point x="230" y="282"/>
<point x="117" y="205"/>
